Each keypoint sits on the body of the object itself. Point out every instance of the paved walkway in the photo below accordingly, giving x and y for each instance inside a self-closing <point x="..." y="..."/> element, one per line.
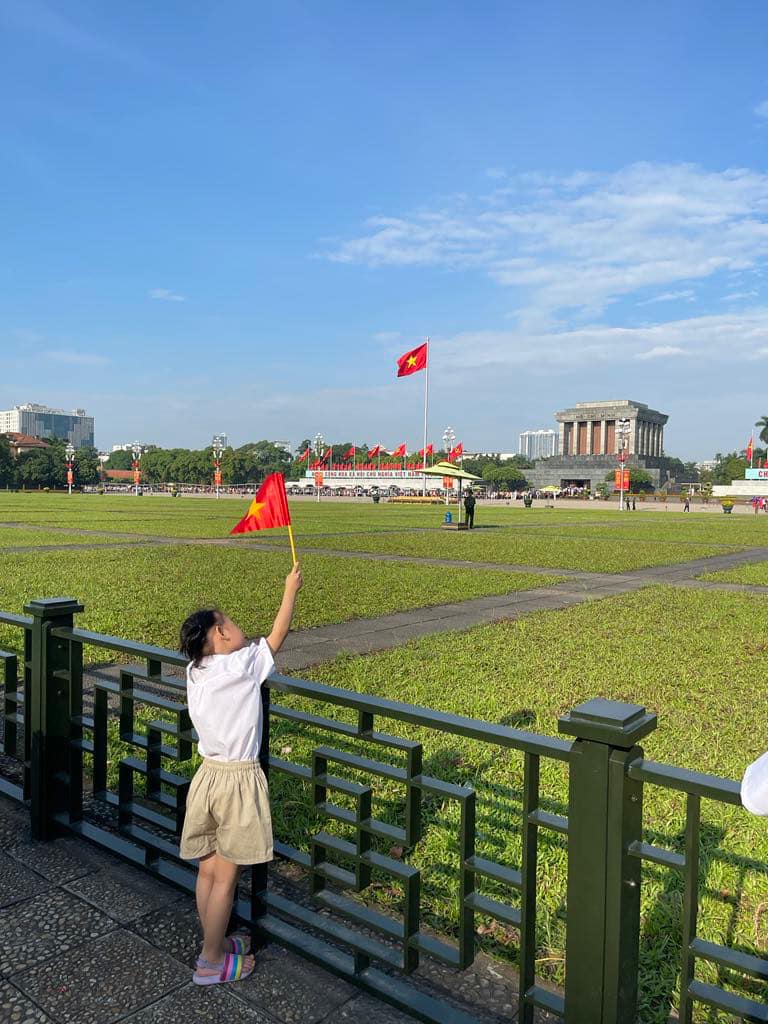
<point x="86" y="939"/>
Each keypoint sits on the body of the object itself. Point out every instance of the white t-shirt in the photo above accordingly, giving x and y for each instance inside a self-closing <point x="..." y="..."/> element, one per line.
<point x="224" y="697"/>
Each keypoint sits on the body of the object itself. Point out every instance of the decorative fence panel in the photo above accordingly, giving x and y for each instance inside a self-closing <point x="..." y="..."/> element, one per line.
<point x="99" y="758"/>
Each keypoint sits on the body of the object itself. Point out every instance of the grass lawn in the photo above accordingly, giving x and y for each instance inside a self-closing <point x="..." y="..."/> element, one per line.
<point x="11" y="538"/>
<point x="694" y="657"/>
<point x="698" y="673"/>
<point x="575" y="549"/>
<point x="756" y="573"/>
<point x="145" y="593"/>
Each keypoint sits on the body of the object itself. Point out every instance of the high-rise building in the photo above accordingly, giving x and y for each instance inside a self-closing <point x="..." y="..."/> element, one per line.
<point x="41" y="421"/>
<point x="537" y="444"/>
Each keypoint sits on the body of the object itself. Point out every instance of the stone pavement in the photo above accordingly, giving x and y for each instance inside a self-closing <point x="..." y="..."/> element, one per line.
<point x="86" y="939"/>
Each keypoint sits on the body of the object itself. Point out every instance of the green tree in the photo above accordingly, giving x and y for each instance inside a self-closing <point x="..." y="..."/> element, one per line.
<point x="763" y="424"/>
<point x="86" y="466"/>
<point x="42" y="467"/>
<point x="119" y="460"/>
<point x="732" y="466"/>
<point x="7" y="466"/>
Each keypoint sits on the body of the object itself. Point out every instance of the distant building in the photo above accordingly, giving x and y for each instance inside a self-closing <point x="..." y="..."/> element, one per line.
<point x="707" y="466"/>
<point x="42" y="421"/>
<point x="537" y="444"/>
<point x="589" y="444"/>
<point x="129" y="447"/>
<point x="21" y="443"/>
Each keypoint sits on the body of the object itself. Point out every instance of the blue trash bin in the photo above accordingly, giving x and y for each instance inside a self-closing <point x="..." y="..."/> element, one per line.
<point x="449" y="517"/>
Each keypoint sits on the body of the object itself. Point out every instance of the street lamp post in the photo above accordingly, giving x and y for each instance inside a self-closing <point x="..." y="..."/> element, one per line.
<point x="449" y="437"/>
<point x="622" y="431"/>
<point x="70" y="453"/>
<point x="136" y="465"/>
<point x="319" y="446"/>
<point x="218" y="451"/>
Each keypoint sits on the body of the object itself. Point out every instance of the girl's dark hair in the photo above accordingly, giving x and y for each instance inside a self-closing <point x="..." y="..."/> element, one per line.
<point x="194" y="633"/>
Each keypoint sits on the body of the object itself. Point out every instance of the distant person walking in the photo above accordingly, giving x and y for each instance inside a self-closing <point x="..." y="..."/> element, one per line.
<point x="469" y="508"/>
<point x="687" y="505"/>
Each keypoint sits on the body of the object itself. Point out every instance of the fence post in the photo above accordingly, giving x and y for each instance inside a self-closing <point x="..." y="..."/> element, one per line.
<point x="604" y="818"/>
<point x="49" y="708"/>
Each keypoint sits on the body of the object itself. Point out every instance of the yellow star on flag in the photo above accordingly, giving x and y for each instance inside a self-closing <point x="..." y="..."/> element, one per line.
<point x="256" y="507"/>
<point x="412" y="361"/>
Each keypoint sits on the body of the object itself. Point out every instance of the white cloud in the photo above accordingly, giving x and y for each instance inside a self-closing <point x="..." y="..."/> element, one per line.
<point x="72" y="358"/>
<point x="762" y="109"/>
<point x="662" y="352"/>
<point x="688" y="294"/>
<point x="731" y="339"/>
<point x="166" y="295"/>
<point x="584" y="240"/>
<point x="736" y="296"/>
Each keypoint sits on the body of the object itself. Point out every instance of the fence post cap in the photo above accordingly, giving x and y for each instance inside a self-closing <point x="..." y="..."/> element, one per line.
<point x="608" y="721"/>
<point x="53" y="607"/>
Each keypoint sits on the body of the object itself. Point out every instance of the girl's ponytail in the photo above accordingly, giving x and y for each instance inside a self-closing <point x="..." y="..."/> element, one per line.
<point x="194" y="634"/>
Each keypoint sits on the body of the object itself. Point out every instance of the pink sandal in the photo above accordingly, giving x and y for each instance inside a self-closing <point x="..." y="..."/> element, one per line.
<point x="232" y="969"/>
<point x="240" y="943"/>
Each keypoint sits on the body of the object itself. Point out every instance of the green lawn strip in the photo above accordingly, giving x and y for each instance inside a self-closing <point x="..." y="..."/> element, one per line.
<point x="14" y="538"/>
<point x="510" y="547"/>
<point x="755" y="573"/>
<point x="690" y="656"/>
<point x="144" y="594"/>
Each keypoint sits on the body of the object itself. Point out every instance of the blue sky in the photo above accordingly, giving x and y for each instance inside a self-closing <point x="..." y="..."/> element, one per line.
<point x="234" y="216"/>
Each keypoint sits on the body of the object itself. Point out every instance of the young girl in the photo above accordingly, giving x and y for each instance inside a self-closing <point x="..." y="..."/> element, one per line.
<point x="227" y="822"/>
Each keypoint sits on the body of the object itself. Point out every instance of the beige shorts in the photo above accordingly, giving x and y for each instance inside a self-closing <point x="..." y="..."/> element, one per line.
<point x="228" y="813"/>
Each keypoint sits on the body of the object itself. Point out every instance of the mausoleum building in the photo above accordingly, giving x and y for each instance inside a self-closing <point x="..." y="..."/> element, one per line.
<point x="589" y="444"/>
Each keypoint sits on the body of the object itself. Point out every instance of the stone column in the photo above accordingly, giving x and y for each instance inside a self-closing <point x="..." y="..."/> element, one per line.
<point x="589" y="437"/>
<point x="643" y="438"/>
<point x="562" y="440"/>
<point x="602" y="436"/>
<point x="656" y="439"/>
<point x="661" y="440"/>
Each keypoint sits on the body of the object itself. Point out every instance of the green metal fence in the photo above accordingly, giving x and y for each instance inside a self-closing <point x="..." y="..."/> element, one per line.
<point x="49" y="734"/>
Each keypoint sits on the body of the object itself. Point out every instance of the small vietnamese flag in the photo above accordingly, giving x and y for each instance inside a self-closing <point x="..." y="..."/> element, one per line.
<point x="304" y="456"/>
<point x="269" y="509"/>
<point x="376" y="450"/>
<point x="412" y="361"/>
<point x="399" y="452"/>
<point x="456" y="453"/>
<point x="429" y="450"/>
<point x="351" y="453"/>
<point x="749" y="450"/>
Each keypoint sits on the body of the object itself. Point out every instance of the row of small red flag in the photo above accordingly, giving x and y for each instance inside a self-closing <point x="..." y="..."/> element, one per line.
<point x="399" y="453"/>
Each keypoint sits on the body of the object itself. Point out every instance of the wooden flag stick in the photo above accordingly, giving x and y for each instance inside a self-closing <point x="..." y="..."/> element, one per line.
<point x="293" y="545"/>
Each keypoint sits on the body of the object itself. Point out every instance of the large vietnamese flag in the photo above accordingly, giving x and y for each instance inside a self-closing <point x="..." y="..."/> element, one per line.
<point x="412" y="361"/>
<point x="269" y="509"/>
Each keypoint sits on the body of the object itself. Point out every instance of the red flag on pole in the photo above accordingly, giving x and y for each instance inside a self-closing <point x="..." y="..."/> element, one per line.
<point x="413" y="361"/>
<point x="399" y="452"/>
<point x="305" y="456"/>
<point x="269" y="509"/>
<point x="456" y="453"/>
<point x="350" y="454"/>
<point x="376" y="450"/>
<point x="429" y="450"/>
<point x="749" y="450"/>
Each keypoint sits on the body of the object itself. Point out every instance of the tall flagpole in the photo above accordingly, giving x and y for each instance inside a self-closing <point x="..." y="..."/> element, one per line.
<point x="426" y="410"/>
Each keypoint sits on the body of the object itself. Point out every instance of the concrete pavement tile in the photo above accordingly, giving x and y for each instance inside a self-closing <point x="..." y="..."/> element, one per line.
<point x="18" y="882"/>
<point x="176" y="930"/>
<point x="296" y="991"/>
<point x="60" y="860"/>
<point x="35" y="930"/>
<point x="102" y="981"/>
<point x="15" y="1008"/>
<point x="195" y="1004"/>
<point x="14" y="829"/>
<point x="124" y="892"/>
